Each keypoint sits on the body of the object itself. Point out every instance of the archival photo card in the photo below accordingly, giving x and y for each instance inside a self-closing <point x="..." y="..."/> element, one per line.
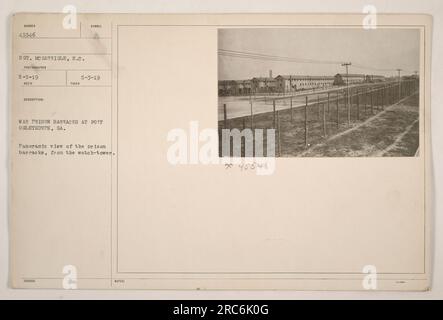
<point x="318" y="92"/>
<point x="220" y="151"/>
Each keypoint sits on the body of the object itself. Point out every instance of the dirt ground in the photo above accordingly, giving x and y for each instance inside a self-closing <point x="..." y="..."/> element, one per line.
<point x="389" y="131"/>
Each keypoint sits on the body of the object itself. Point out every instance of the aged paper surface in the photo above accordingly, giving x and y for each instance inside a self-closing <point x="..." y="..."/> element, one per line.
<point x="116" y="183"/>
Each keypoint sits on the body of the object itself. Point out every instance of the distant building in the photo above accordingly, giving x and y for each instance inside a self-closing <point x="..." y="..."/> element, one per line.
<point x="234" y="87"/>
<point x="243" y="87"/>
<point x="264" y="85"/>
<point x="292" y="83"/>
<point x="374" y="78"/>
<point x="410" y="77"/>
<point x="226" y="87"/>
<point x="342" y="79"/>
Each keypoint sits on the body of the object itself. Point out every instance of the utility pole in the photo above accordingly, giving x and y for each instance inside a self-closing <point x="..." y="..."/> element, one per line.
<point x="347" y="64"/>
<point x="399" y="84"/>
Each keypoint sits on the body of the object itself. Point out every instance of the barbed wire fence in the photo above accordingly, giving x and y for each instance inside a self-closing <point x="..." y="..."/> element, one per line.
<point x="320" y="116"/>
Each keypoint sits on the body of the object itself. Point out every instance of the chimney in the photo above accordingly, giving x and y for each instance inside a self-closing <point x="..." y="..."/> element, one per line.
<point x="270" y="73"/>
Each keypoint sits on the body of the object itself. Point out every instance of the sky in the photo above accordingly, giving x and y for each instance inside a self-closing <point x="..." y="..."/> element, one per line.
<point x="382" y="48"/>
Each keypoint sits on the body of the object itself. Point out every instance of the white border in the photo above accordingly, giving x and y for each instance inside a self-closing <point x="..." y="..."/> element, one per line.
<point x="433" y="7"/>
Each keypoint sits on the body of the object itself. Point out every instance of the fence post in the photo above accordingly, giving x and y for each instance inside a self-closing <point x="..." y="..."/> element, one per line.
<point x="306" y="122"/>
<point x="383" y="97"/>
<point x="390" y="95"/>
<point x="358" y="105"/>
<point x="324" y="119"/>
<point x="243" y="141"/>
<point x="349" y="102"/>
<point x="376" y="99"/>
<point x="338" y="109"/>
<point x="366" y="102"/>
<point x="252" y="118"/>
<point x="292" y="113"/>
<point x="273" y="107"/>
<point x="225" y="115"/>
<point x="278" y="135"/>
<point x="328" y="103"/>
<point x="395" y="88"/>
<point x="387" y="95"/>
<point x="372" y="101"/>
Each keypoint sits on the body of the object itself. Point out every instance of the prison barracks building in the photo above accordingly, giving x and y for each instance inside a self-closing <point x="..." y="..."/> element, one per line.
<point x="290" y="83"/>
<point x="295" y="83"/>
<point x="342" y="79"/>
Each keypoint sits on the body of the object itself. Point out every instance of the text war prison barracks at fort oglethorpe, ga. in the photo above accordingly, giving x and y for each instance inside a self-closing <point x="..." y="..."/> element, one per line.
<point x="290" y="83"/>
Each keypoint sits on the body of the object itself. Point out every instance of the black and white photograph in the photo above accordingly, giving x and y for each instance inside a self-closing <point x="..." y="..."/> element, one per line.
<point x="221" y="158"/>
<point x="323" y="92"/>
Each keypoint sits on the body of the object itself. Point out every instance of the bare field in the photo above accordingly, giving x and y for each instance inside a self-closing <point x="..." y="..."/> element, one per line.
<point x="377" y="131"/>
